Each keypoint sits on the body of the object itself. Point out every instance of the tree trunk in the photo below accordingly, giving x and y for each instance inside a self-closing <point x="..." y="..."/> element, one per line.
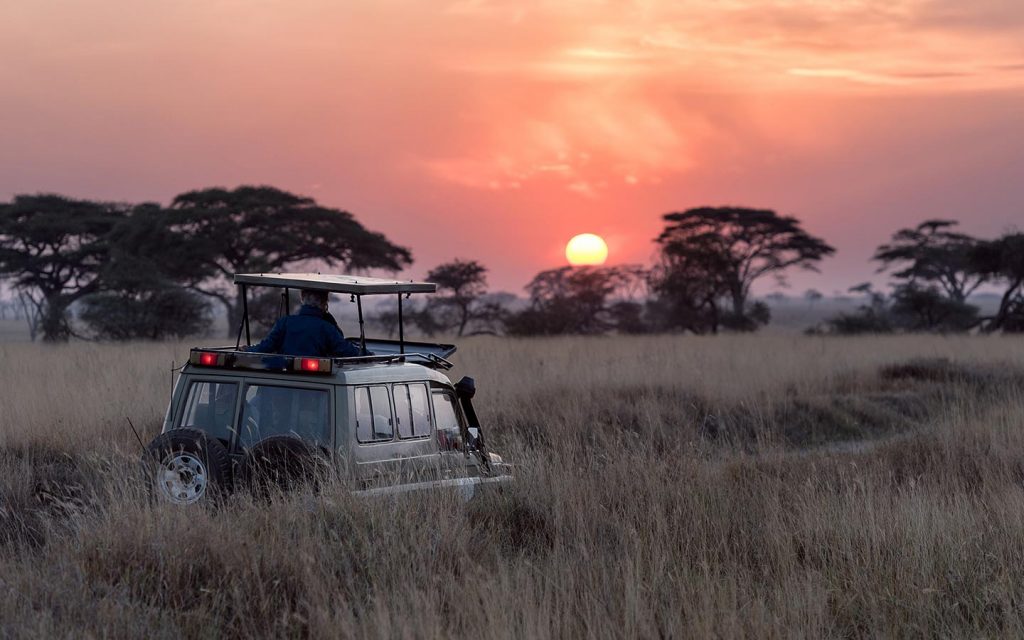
<point x="31" y="308"/>
<point x="739" y="302"/>
<point x="1004" y="305"/>
<point x="234" y="316"/>
<point x="464" y="319"/>
<point x="54" y="322"/>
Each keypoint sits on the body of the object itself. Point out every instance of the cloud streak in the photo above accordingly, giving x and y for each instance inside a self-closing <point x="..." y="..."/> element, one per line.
<point x="611" y="80"/>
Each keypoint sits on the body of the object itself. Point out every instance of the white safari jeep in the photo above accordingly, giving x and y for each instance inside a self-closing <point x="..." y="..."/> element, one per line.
<point x="386" y="422"/>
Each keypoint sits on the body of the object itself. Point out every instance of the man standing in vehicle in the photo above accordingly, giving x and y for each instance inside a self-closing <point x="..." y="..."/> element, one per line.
<point x="308" y="332"/>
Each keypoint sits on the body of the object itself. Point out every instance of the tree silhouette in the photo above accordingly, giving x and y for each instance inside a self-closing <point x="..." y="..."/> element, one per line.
<point x="263" y="229"/>
<point x="917" y="307"/>
<point x="143" y="280"/>
<point x="52" y="249"/>
<point x="688" y="285"/>
<point x="730" y="248"/>
<point x="1003" y="260"/>
<point x="912" y="306"/>
<point x="574" y="300"/>
<point x="932" y="253"/>
<point x="460" y="284"/>
<point x="813" y="296"/>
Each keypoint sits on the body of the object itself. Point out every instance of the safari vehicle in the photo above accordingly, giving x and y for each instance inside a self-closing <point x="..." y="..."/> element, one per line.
<point x="387" y="422"/>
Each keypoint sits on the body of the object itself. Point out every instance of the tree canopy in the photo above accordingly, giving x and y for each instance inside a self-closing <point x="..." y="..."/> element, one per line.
<point x="933" y="254"/>
<point x="1002" y="260"/>
<point x="579" y="300"/>
<point x="142" y="294"/>
<point x="52" y="249"/>
<point x="263" y="229"/>
<point x="712" y="253"/>
<point x="461" y="285"/>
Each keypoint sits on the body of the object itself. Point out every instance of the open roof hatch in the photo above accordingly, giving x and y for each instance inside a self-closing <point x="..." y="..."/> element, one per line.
<point x="357" y="287"/>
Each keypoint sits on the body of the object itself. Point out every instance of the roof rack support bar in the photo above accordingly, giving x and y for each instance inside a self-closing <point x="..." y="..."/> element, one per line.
<point x="362" y="330"/>
<point x="241" y="322"/>
<point x="401" y="327"/>
<point x="245" y="314"/>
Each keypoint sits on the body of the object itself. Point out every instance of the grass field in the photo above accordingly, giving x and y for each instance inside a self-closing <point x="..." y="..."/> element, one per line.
<point x="737" y="486"/>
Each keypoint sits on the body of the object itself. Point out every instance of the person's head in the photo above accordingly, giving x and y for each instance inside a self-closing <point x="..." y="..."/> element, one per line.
<point x="314" y="298"/>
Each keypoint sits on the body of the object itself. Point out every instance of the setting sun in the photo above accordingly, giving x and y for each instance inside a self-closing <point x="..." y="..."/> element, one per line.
<point x="586" y="249"/>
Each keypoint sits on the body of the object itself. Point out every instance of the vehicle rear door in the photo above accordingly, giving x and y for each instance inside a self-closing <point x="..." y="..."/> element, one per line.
<point x="273" y="406"/>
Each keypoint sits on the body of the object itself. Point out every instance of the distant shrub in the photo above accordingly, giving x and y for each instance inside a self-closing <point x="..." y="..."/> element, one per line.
<point x="861" y="322"/>
<point x="145" y="315"/>
<point x="910" y="307"/>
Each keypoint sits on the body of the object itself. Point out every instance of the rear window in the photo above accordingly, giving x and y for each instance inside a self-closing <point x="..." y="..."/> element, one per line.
<point x="210" y="407"/>
<point x="270" y="411"/>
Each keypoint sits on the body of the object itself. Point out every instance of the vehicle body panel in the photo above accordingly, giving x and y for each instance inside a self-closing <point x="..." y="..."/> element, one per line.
<point x="375" y="467"/>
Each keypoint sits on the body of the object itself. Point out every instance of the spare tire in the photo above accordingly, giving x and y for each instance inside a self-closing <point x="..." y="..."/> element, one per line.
<point x="187" y="466"/>
<point x="282" y="462"/>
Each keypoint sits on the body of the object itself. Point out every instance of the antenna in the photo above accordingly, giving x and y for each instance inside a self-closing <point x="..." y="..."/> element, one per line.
<point x="145" y="451"/>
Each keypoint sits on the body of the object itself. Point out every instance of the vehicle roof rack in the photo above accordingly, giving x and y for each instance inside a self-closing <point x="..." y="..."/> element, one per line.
<point x="336" y="283"/>
<point x="427" y="359"/>
<point x="356" y="286"/>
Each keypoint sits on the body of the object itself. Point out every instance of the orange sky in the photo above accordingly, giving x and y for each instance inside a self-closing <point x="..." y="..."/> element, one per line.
<point x="498" y="130"/>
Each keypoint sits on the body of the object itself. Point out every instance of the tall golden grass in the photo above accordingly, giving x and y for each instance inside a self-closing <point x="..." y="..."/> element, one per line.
<point x="734" y="486"/>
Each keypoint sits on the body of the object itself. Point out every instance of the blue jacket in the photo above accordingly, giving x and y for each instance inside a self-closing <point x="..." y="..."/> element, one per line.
<point x="306" y="333"/>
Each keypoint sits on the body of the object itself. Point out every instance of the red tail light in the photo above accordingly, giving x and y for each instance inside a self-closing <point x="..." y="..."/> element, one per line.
<point x="310" y="364"/>
<point x="231" y="359"/>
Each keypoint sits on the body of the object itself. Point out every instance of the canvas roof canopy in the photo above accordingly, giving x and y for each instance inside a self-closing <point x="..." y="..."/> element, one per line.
<point x="337" y="283"/>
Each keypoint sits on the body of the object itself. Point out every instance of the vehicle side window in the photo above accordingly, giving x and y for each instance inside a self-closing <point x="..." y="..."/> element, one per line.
<point x="420" y="409"/>
<point x="411" y="410"/>
<point x="210" y="407"/>
<point x="445" y="412"/>
<point x="270" y="411"/>
<point x="446" y="419"/>
<point x="364" y="416"/>
<point x="374" y="422"/>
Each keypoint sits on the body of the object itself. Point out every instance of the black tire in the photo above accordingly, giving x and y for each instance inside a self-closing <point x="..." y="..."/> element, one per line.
<point x="186" y="466"/>
<point x="282" y="463"/>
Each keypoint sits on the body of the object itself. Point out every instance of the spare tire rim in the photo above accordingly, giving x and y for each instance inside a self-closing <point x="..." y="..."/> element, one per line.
<point x="182" y="478"/>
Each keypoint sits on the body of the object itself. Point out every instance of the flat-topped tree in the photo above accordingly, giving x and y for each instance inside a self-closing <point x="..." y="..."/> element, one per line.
<point x="742" y="245"/>
<point x="263" y="229"/>
<point x="52" y="250"/>
<point x="144" y="294"/>
<point x="463" y="283"/>
<point x="1002" y="261"/>
<point x="573" y="300"/>
<point x="932" y="253"/>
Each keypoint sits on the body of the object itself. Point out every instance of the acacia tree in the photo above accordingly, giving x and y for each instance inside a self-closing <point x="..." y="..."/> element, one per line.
<point x="688" y="283"/>
<point x="461" y="285"/>
<point x="263" y="229"/>
<point x="143" y="294"/>
<point x="1003" y="260"/>
<point x="933" y="254"/>
<point x="574" y="300"/>
<point x="52" y="249"/>
<point x="731" y="248"/>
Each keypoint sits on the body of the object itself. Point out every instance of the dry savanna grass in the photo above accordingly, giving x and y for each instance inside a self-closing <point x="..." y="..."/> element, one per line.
<point x="736" y="486"/>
